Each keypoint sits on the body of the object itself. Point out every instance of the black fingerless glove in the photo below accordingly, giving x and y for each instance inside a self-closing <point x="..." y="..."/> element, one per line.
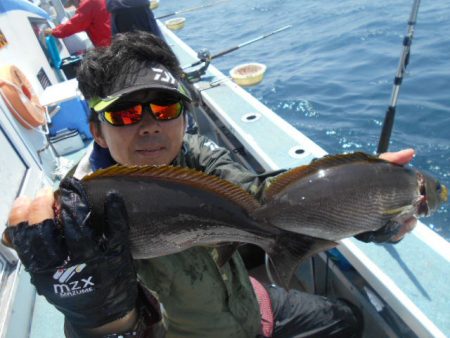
<point x="85" y="272"/>
<point x="383" y="235"/>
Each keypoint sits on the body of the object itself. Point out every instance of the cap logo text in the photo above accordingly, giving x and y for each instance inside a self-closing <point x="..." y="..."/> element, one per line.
<point x="163" y="76"/>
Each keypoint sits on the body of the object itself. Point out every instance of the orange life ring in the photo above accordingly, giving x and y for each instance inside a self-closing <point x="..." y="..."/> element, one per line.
<point x="20" y="97"/>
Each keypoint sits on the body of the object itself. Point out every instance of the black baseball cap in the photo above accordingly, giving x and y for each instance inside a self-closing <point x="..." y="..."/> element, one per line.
<point x="153" y="77"/>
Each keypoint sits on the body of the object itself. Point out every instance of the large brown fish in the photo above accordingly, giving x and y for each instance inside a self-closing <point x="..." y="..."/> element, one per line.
<point x="306" y="209"/>
<point x="340" y="196"/>
<point x="171" y="209"/>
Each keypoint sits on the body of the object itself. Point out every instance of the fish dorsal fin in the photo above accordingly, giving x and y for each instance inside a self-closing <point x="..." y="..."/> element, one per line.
<point x="329" y="161"/>
<point x="184" y="176"/>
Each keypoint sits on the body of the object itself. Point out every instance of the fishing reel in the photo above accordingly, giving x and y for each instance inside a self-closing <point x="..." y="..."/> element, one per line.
<point x="205" y="58"/>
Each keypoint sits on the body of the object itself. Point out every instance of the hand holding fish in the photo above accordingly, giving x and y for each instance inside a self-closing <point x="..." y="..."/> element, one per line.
<point x="88" y="276"/>
<point x="399" y="157"/>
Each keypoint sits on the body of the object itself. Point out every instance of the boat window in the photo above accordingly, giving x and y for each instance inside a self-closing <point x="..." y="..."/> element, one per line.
<point x="8" y="269"/>
<point x="43" y="78"/>
<point x="21" y="173"/>
<point x="38" y="25"/>
<point x="8" y="262"/>
<point x="12" y="175"/>
<point x="2" y="269"/>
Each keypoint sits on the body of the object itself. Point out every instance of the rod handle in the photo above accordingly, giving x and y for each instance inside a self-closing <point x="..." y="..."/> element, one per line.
<point x="386" y="131"/>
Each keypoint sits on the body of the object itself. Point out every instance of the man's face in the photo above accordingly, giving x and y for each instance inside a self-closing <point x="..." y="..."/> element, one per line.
<point x="148" y="142"/>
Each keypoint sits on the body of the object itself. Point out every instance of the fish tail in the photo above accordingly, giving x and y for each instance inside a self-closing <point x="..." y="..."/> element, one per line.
<point x="290" y="249"/>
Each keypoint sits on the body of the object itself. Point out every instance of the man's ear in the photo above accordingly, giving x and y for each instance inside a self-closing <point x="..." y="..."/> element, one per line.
<point x="96" y="131"/>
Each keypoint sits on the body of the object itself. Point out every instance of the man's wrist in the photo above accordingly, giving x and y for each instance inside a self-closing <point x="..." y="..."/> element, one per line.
<point x="116" y="328"/>
<point x="148" y="321"/>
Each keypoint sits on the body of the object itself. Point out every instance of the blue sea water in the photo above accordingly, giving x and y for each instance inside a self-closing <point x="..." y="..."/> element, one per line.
<point x="331" y="74"/>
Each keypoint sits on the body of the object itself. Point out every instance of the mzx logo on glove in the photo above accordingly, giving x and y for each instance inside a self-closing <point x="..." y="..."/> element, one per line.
<point x="69" y="286"/>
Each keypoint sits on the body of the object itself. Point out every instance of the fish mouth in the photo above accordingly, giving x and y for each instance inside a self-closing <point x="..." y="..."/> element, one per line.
<point x="422" y="207"/>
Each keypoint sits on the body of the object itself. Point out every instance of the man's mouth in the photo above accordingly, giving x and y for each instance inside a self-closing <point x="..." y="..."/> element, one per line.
<point x="149" y="150"/>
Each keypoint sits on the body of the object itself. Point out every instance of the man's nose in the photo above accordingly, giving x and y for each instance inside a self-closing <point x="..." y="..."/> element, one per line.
<point x="149" y="124"/>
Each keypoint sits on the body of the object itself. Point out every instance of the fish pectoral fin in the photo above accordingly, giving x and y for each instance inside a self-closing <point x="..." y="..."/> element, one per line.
<point x="290" y="249"/>
<point x="396" y="211"/>
<point x="391" y="212"/>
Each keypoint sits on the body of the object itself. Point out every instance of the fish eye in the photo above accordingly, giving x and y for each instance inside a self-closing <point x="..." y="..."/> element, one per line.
<point x="438" y="186"/>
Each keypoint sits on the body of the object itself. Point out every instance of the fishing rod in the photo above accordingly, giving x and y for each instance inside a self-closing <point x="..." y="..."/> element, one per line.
<point x="205" y="56"/>
<point x="232" y="49"/>
<point x="388" y="123"/>
<point x="190" y="9"/>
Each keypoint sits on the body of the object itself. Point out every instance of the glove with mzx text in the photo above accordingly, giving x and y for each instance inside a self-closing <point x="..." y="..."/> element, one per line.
<point x="87" y="274"/>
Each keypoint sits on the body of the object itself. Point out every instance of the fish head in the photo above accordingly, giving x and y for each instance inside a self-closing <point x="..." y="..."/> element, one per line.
<point x="433" y="194"/>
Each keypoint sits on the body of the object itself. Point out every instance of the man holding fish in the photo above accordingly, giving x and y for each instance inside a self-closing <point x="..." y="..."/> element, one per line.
<point x="92" y="275"/>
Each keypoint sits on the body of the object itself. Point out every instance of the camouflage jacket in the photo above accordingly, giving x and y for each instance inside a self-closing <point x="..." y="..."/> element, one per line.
<point x="200" y="298"/>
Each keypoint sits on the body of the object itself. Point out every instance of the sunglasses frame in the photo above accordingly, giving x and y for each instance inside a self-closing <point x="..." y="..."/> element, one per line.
<point x="144" y="106"/>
